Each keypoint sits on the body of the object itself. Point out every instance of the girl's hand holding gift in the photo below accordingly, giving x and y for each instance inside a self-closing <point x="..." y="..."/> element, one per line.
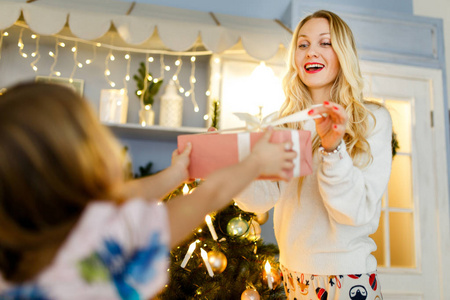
<point x="274" y="159"/>
<point x="181" y="161"/>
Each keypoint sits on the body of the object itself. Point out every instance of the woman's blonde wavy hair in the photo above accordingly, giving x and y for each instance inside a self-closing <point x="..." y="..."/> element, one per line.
<point x="55" y="158"/>
<point x="346" y="91"/>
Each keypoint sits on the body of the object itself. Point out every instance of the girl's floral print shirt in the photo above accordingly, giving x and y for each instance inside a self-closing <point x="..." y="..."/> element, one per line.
<point x="114" y="252"/>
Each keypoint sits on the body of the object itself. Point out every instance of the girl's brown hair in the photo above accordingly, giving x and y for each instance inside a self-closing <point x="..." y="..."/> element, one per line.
<point x="55" y="158"/>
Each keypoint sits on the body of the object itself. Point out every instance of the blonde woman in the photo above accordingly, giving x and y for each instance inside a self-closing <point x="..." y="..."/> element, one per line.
<point x="71" y="225"/>
<point x="323" y="221"/>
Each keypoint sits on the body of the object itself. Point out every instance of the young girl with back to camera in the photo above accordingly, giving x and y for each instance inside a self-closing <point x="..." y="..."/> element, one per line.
<point x="323" y="221"/>
<point x="71" y="226"/>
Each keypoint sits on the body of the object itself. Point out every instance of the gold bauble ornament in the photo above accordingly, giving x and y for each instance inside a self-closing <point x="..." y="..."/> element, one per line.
<point x="237" y="227"/>
<point x="254" y="232"/>
<point x="218" y="261"/>
<point x="250" y="295"/>
<point x="262" y="218"/>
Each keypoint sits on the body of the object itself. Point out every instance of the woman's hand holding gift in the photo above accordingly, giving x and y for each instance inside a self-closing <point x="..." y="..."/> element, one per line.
<point x="331" y="127"/>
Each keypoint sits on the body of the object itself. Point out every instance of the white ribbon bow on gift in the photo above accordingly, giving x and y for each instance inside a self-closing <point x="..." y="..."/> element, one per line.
<point x="253" y="123"/>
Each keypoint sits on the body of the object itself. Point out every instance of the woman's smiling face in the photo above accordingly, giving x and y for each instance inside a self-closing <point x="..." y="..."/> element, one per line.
<point x="316" y="61"/>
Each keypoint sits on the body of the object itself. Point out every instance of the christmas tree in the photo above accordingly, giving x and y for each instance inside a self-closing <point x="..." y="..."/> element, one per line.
<point x="225" y="258"/>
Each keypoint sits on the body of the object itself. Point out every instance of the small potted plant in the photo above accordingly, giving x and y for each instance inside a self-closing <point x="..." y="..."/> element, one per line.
<point x="147" y="88"/>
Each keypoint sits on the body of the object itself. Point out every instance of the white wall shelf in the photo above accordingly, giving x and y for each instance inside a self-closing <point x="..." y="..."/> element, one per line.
<point x="155" y="132"/>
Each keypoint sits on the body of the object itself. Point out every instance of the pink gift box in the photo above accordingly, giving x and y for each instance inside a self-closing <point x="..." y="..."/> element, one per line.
<point x="212" y="151"/>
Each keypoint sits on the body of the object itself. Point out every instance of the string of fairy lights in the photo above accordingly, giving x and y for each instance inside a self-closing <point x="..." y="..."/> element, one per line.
<point x="113" y="51"/>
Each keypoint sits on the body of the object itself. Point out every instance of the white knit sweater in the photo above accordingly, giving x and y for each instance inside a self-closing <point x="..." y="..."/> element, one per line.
<point x="326" y="231"/>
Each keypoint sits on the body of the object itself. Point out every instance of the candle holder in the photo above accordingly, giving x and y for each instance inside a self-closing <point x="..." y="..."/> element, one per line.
<point x="171" y="111"/>
<point x="274" y="275"/>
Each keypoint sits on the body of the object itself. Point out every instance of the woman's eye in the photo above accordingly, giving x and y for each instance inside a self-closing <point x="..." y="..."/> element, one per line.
<point x="326" y="44"/>
<point x="303" y="45"/>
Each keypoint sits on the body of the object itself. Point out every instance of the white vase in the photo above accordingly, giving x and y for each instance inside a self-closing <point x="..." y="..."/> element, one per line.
<point x="171" y="111"/>
<point x="147" y="116"/>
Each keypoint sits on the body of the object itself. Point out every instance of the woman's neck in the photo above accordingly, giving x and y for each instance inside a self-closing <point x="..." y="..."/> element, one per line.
<point x="319" y="95"/>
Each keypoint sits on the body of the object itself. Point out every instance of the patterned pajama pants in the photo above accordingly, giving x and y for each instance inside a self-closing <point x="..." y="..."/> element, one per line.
<point x="299" y="286"/>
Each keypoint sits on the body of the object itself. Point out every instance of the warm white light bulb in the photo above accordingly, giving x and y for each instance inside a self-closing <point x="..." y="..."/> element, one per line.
<point x="51" y="54"/>
<point x="267" y="267"/>
<point x="58" y="73"/>
<point x="35" y="68"/>
<point x="33" y="54"/>
<point x="111" y="57"/>
<point x="177" y="62"/>
<point x="88" y="61"/>
<point x="193" y="58"/>
<point x="167" y="68"/>
<point x="151" y="59"/>
<point x="185" y="189"/>
<point x="208" y="93"/>
<point x="127" y="78"/>
<point x="127" y="56"/>
<point x="33" y="36"/>
<point x="5" y="33"/>
<point x="62" y="44"/>
<point x="80" y="65"/>
<point x="74" y="49"/>
<point x="175" y="77"/>
<point x="107" y="72"/>
<point x="112" y="84"/>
